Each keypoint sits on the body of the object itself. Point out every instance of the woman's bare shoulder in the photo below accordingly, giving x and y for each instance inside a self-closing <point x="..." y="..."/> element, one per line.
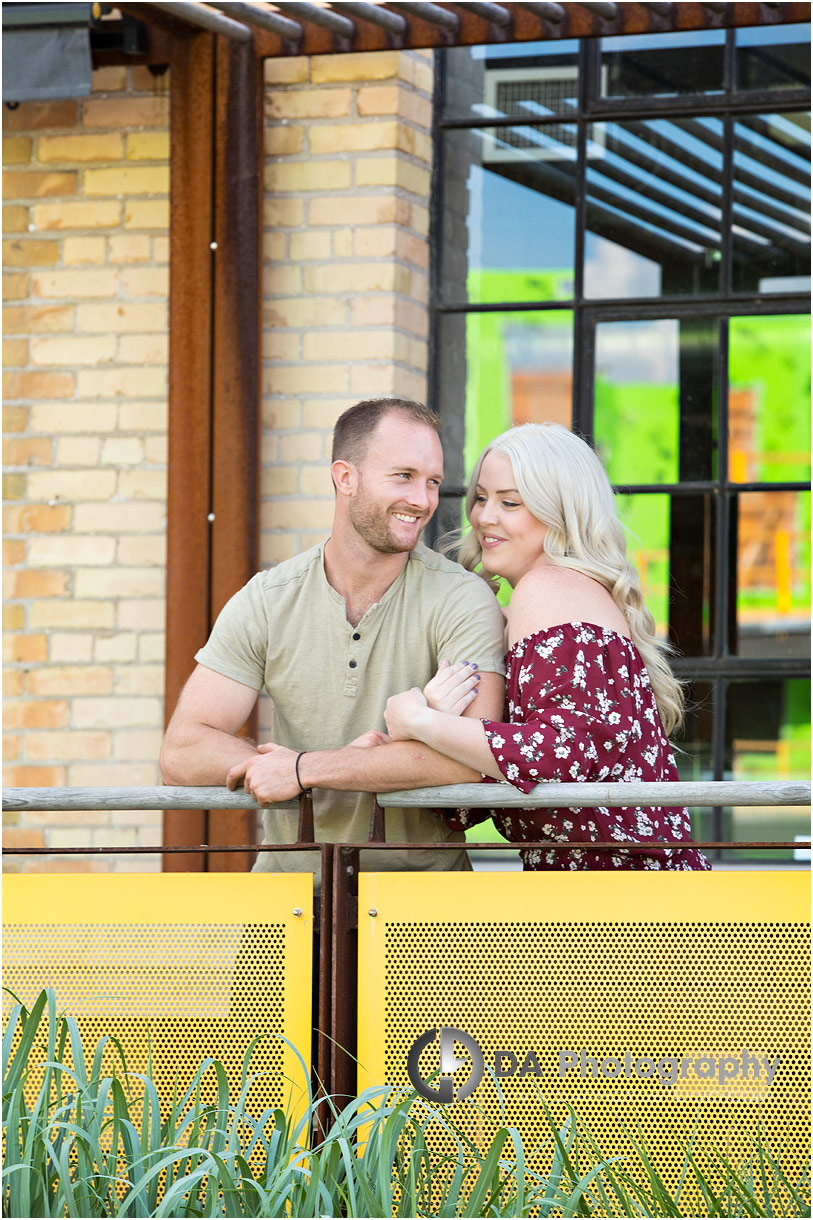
<point x="547" y="596"/>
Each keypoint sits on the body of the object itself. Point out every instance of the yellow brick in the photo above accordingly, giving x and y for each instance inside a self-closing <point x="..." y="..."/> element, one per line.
<point x="286" y="71"/>
<point x="277" y="414"/>
<point x="15" y="419"/>
<point x="15" y="218"/>
<point x="65" y="351"/>
<point x="120" y="113"/>
<point x="275" y="247"/>
<point x="67" y="745"/>
<point x="15" y="286"/>
<point x="148" y="146"/>
<point x="282" y="379"/>
<point x="36" y="714"/>
<point x="419" y="286"/>
<point x="56" y="417"/>
<point x="309" y="245"/>
<point x="64" y="551"/>
<point x="322" y="412"/>
<point x="14" y="486"/>
<point x="27" y="252"/>
<point x="16" y="150"/>
<point x="143" y="349"/>
<point x="351" y="278"/>
<point x="38" y="385"/>
<point x="80" y="147"/>
<point x="96" y="214"/>
<point x="393" y="171"/>
<point x="361" y="137"/>
<point x="276" y="548"/>
<point x="109" y="78"/>
<point x="307" y="176"/>
<point x="363" y="66"/>
<point x="279" y="280"/>
<point x="378" y="99"/>
<point x="297" y="514"/>
<point x="279" y="481"/>
<point x="282" y="345"/>
<point x="146" y="214"/>
<point x="160" y="249"/>
<point x="363" y="209"/>
<point x="118" y="582"/>
<point x="119" y="647"/>
<point x="129" y="248"/>
<point x="151" y="646"/>
<point x="143" y="516"/>
<point x="33" y="184"/>
<point x="77" y="451"/>
<point x="11" y="752"/>
<point x="146" y="282"/>
<point x="283" y="213"/>
<point x="13" y="620"/>
<point x="15" y="353"/>
<point x="342" y="242"/>
<point x="128" y="180"/>
<point x="406" y="383"/>
<point x="38" y="518"/>
<point x="103" y="282"/>
<point x="420" y="220"/>
<point x="89" y="615"/>
<point x="71" y="485"/>
<point x="373" y="379"/>
<point x="122" y="451"/>
<point x="121" y="317"/>
<point x="315" y="480"/>
<point x="156" y="450"/>
<point x="143" y="417"/>
<point x="12" y="685"/>
<point x="83" y="251"/>
<point x="144" y="80"/>
<point x="90" y="775"/>
<point x="27" y="451"/>
<point x="308" y="104"/>
<point x="73" y="647"/>
<point x="27" y="319"/>
<point x="284" y="141"/>
<point x="13" y="552"/>
<point x="137" y="744"/>
<point x="70" y="680"/>
<point x="424" y="77"/>
<point x="143" y="484"/>
<point x="38" y="116"/>
<point x="390" y="242"/>
<point x="37" y="584"/>
<point x="381" y="344"/>
<point x="121" y="382"/>
<point x="418" y="355"/>
<point x="391" y="311"/>
<point x="144" y="550"/>
<point x="422" y="147"/>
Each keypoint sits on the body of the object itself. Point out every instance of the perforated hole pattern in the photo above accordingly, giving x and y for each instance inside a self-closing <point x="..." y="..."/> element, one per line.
<point x="668" y="989"/>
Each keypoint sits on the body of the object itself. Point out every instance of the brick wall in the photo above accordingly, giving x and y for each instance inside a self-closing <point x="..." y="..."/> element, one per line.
<point x="84" y="382"/>
<point x="348" y="158"/>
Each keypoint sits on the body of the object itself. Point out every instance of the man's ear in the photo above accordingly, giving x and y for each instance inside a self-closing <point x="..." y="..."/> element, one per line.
<point x="345" y="477"/>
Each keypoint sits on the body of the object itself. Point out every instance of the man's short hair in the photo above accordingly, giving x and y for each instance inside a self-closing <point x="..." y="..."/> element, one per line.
<point x="354" y="427"/>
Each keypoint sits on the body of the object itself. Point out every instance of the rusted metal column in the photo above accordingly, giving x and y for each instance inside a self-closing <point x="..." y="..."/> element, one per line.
<point x="238" y="153"/>
<point x="344" y="983"/>
<point x="190" y="359"/>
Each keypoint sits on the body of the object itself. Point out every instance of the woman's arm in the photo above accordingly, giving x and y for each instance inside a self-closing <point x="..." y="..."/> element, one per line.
<point x="409" y="717"/>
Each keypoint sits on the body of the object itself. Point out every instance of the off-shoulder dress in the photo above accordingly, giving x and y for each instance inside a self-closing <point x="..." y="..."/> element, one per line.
<point x="580" y="709"/>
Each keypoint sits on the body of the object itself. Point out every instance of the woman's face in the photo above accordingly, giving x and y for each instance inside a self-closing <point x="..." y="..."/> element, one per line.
<point x="510" y="535"/>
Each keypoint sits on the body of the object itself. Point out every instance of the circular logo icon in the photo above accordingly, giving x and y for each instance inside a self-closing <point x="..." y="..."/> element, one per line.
<point x="445" y="1091"/>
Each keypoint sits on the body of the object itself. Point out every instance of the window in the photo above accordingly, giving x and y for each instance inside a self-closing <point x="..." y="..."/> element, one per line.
<point x="622" y="238"/>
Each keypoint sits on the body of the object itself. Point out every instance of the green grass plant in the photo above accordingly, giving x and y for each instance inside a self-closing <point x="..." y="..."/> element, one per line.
<point x="82" y="1141"/>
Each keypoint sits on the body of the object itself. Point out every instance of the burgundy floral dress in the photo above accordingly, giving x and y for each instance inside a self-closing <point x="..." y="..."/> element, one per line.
<point x="581" y="709"/>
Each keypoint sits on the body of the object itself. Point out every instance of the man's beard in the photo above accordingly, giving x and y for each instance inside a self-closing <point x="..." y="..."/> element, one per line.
<point x="372" y="523"/>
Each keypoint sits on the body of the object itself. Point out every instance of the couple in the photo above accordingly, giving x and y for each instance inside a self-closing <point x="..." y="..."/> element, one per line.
<point x="332" y="633"/>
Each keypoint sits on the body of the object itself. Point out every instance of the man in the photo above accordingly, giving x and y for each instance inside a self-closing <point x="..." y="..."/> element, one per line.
<point x="331" y="634"/>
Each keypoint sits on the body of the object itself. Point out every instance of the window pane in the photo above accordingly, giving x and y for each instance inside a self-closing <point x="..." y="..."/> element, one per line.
<point x="694" y="753"/>
<point x="661" y="65"/>
<point x="531" y="79"/>
<point x="771" y="205"/>
<point x="654" y="197"/>
<point x="646" y="524"/>
<point x="767" y="738"/>
<point x="773" y="57"/>
<point x="769" y="399"/>
<point x="508" y="216"/>
<point x="655" y="393"/>
<point x="772" y="530"/>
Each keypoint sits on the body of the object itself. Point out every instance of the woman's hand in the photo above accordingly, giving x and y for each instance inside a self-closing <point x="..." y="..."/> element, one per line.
<point x="404" y="713"/>
<point x="453" y="687"/>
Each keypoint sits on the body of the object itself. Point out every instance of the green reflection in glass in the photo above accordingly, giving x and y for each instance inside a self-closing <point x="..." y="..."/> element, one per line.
<point x="773" y="573"/>
<point x="646" y="522"/>
<point x="769" y="399"/>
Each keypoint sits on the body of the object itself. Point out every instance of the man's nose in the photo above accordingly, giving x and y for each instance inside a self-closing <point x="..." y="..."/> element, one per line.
<point x="421" y="496"/>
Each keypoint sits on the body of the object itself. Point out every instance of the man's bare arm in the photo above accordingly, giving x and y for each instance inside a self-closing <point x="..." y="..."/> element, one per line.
<point x="401" y="764"/>
<point x="200" y="746"/>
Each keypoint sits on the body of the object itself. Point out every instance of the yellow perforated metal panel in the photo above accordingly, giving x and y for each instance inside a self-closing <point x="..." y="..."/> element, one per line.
<point x="634" y="977"/>
<point x="185" y="965"/>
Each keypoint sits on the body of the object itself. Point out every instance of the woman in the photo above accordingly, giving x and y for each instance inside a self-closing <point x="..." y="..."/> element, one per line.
<point x="590" y="695"/>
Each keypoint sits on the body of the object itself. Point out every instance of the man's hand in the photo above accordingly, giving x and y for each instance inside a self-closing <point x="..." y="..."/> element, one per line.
<point x="269" y="775"/>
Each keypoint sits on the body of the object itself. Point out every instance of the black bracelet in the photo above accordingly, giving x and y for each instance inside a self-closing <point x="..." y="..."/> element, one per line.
<point x="296" y="769"/>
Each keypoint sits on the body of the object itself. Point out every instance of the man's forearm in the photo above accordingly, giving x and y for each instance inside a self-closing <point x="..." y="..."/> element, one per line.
<point x="387" y="768"/>
<point x="203" y="758"/>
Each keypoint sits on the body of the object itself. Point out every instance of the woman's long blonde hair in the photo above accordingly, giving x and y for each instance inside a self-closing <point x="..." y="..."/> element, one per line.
<point x="563" y="483"/>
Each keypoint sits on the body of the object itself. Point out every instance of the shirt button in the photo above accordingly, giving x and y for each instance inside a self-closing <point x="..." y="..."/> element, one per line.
<point x="352" y="664"/>
<point x="356" y="635"/>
